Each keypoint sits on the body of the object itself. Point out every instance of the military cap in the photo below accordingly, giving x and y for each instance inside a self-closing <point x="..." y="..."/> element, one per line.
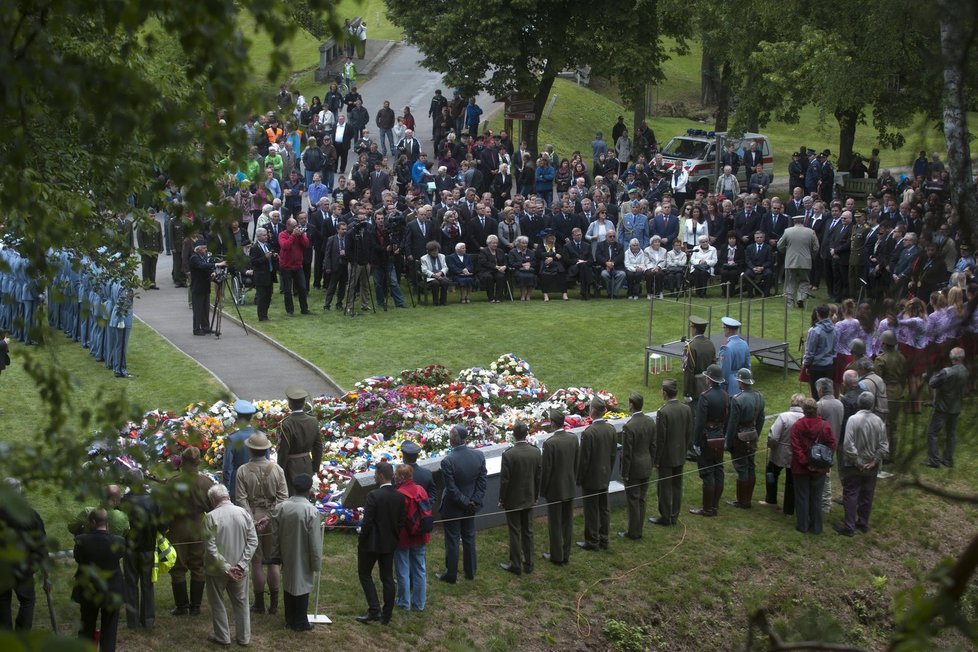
<point x="258" y="442"/>
<point x="295" y="393"/>
<point x="857" y="345"/>
<point x="670" y="383"/>
<point x="714" y="373"/>
<point x="799" y="217"/>
<point x="745" y="376"/>
<point x="888" y="338"/>
<point x="410" y="447"/>
<point x="730" y="322"/>
<point x="244" y="407"/>
<point x="598" y="403"/>
<point x="696" y="320"/>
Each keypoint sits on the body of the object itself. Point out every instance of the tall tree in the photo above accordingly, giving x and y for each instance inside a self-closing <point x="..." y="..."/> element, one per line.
<point x="518" y="47"/>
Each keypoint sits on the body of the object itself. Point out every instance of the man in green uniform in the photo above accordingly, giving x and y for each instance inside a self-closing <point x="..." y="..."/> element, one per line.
<point x="259" y="487"/>
<point x="892" y="368"/>
<point x="187" y="504"/>
<point x="300" y="448"/>
<point x="150" y="246"/>
<point x="637" y="458"/>
<point x="743" y="429"/>
<point x="674" y="434"/>
<point x="519" y="488"/>
<point x="698" y="354"/>
<point x="300" y="541"/>
<point x="598" y="449"/>
<point x="708" y="424"/>
<point x="561" y="457"/>
<point x="857" y="240"/>
<point x="948" y="385"/>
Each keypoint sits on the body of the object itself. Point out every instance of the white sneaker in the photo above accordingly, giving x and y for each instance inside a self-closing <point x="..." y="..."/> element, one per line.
<point x="649" y="297"/>
<point x="883" y="475"/>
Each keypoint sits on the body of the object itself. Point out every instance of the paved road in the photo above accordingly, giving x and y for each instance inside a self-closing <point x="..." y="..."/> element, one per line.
<point x="401" y="79"/>
<point x="251" y="367"/>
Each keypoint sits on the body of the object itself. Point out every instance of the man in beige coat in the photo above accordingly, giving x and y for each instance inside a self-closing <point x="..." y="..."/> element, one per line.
<point x="298" y="527"/>
<point x="259" y="486"/>
<point x="230" y="546"/>
<point x="799" y="244"/>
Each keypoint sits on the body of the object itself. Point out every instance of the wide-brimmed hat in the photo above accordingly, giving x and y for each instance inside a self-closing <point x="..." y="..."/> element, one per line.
<point x="258" y="442"/>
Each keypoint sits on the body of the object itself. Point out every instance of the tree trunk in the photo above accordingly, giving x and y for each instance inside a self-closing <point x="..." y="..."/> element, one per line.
<point x="957" y="43"/>
<point x="709" y="91"/>
<point x="531" y="129"/>
<point x="723" y="99"/>
<point x="847" y="136"/>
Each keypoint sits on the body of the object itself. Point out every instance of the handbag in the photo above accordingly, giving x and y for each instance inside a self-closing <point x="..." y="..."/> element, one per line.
<point x="715" y="442"/>
<point x="820" y="455"/>
<point x="749" y="434"/>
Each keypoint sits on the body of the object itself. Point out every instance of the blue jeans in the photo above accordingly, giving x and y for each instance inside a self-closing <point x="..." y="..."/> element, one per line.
<point x="387" y="136"/>
<point x="390" y="284"/>
<point x="409" y="569"/>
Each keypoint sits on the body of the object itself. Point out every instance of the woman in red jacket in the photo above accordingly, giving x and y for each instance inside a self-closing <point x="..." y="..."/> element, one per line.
<point x="410" y="556"/>
<point x="809" y="480"/>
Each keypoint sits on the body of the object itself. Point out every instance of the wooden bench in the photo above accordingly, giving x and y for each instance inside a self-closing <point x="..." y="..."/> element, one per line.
<point x="858" y="188"/>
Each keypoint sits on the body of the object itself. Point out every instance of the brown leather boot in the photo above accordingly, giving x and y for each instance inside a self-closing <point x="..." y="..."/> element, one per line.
<point x="707" y="509"/>
<point x="748" y="496"/>
<point x="717" y="492"/>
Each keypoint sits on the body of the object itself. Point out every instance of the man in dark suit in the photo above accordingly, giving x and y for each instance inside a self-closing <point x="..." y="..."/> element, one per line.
<point x="666" y="226"/>
<point x="139" y="560"/>
<point x="98" y="580"/>
<point x="200" y="288"/>
<point x="747" y="221"/>
<point x="519" y="488"/>
<point x="534" y="220"/>
<point x="610" y="257"/>
<point x="335" y="267"/>
<point x="674" y="435"/>
<point x="561" y="457"/>
<point x="832" y="223"/>
<point x="839" y="246"/>
<point x="463" y="471"/>
<point x="261" y="256"/>
<point x="774" y="223"/>
<point x="481" y="227"/>
<point x="380" y="529"/>
<point x="598" y="449"/>
<point x="637" y="457"/>
<point x="318" y="217"/>
<point x="502" y="186"/>
<point x="752" y="157"/>
<point x="760" y="263"/>
<point x="577" y="257"/>
<point x="25" y="530"/>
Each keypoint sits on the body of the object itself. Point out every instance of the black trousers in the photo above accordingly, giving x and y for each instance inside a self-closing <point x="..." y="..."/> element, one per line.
<point x="365" y="566"/>
<point x="296" y="610"/>
<point x="337" y="286"/>
<point x="263" y="297"/>
<point x="149" y="268"/>
<point x="108" y="629"/>
<point x="139" y="591"/>
<point x="560" y="520"/>
<point x="200" y="300"/>
<point x="439" y="292"/>
<point x="294" y="280"/>
<point x="317" y="265"/>
<point x="24" y="589"/>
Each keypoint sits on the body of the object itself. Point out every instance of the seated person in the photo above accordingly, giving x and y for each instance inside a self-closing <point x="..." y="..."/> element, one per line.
<point x="550" y="266"/>
<point x="730" y="258"/>
<point x="492" y="269"/>
<point x="523" y="263"/>
<point x="577" y="260"/>
<point x="760" y="259"/>
<point x="702" y="260"/>
<point x="610" y="258"/>
<point x="656" y="273"/>
<point x="676" y="262"/>
<point x="434" y="269"/>
<point x="636" y="267"/>
<point x="461" y="271"/>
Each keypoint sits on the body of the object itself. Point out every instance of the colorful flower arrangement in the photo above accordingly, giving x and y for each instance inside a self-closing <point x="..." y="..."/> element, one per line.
<point x="371" y="422"/>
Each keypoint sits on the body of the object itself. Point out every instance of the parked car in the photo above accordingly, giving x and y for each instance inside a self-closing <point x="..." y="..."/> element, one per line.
<point x="697" y="150"/>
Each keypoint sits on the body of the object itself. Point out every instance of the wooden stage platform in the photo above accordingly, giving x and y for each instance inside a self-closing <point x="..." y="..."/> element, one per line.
<point x="772" y="352"/>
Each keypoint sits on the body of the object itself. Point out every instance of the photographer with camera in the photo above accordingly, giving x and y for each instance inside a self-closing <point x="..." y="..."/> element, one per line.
<point x="386" y="246"/>
<point x="202" y="271"/>
<point x="360" y="245"/>
<point x="292" y="243"/>
<point x="263" y="269"/>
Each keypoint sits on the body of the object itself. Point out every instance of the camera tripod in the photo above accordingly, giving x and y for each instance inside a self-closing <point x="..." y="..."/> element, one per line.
<point x="217" y="310"/>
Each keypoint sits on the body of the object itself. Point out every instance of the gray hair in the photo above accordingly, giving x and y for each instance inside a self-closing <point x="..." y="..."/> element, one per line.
<point x="633" y="241"/>
<point x="261" y="231"/>
<point x="850" y="378"/>
<point x="492" y="238"/>
<point x="824" y="386"/>
<point x="217" y="494"/>
<point x="866" y="401"/>
<point x="521" y="240"/>
<point x="864" y="365"/>
<point x="460" y="246"/>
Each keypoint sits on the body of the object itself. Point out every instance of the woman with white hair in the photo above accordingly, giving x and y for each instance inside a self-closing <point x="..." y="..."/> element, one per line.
<point x="656" y="273"/>
<point x="461" y="271"/>
<point x="553" y="273"/>
<point x="521" y="261"/>
<point x="779" y="456"/>
<point x="636" y="266"/>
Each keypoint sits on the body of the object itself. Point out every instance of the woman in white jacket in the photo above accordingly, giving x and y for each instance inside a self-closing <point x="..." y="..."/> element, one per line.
<point x="680" y="177"/>
<point x="779" y="456"/>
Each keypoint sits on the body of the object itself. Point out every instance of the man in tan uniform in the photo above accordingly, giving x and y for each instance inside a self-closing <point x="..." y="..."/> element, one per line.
<point x="300" y="448"/>
<point x="259" y="488"/>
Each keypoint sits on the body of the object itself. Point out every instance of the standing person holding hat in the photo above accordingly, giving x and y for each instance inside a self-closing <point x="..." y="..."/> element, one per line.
<point x="638" y="455"/>
<point x="674" y="436"/>
<point x="463" y="471"/>
<point x="734" y="354"/>
<point x="799" y="244"/>
<point x="235" y="453"/>
<point x="710" y="418"/>
<point x="298" y="528"/>
<point x="410" y="450"/>
<point x="599" y="445"/>
<point x="558" y="486"/>
<point x="259" y="488"/>
<point x="743" y="429"/>
<point x="300" y="447"/>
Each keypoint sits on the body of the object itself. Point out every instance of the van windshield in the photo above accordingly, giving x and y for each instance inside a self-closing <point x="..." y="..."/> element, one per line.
<point x="686" y="148"/>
